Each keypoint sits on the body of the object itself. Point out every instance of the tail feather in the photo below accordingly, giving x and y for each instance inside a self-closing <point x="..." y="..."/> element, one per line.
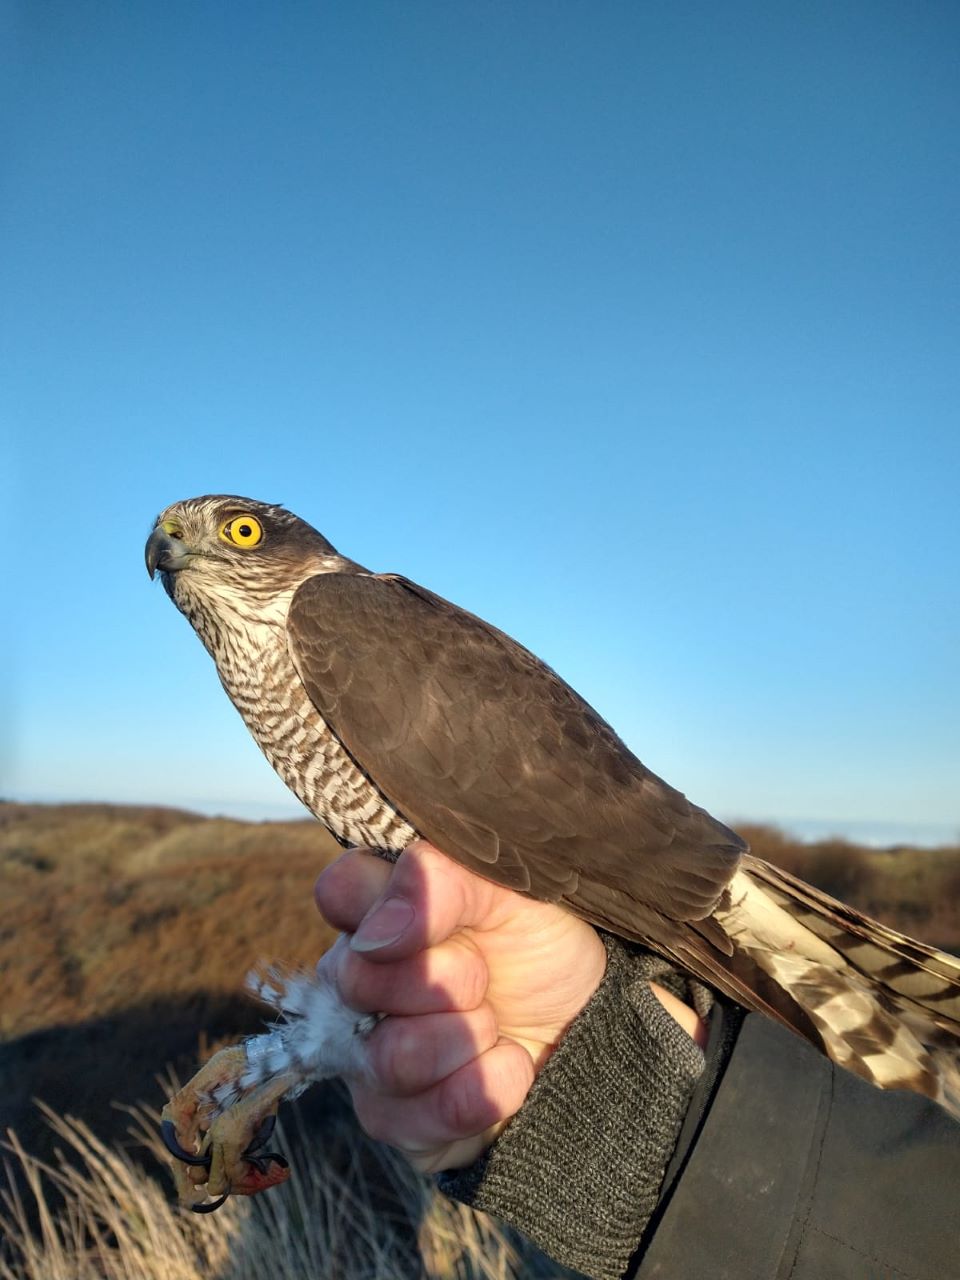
<point x="882" y="1005"/>
<point x="929" y="977"/>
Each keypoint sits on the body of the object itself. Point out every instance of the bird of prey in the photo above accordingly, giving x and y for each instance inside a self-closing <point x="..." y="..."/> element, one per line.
<point x="393" y="714"/>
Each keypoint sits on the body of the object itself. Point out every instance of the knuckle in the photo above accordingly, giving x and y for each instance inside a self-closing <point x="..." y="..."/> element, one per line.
<point x="345" y="889"/>
<point x="419" y="851"/>
<point x="467" y="974"/>
<point x="328" y="966"/>
<point x="325" y="882"/>
<point x="332" y="876"/>
<point x="486" y="1027"/>
<point x="420" y="865"/>
<point x="411" y="873"/>
<point x="353" y="981"/>
<point x="401" y="1057"/>
<point x="463" y="1108"/>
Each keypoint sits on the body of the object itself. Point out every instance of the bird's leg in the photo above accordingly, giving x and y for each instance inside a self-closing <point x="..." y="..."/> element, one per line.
<point x="216" y="1126"/>
<point x="190" y="1111"/>
<point x="234" y="1143"/>
<point x="216" y="1150"/>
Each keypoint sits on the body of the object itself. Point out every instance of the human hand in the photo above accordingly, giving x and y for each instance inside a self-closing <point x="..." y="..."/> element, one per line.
<point x="480" y="984"/>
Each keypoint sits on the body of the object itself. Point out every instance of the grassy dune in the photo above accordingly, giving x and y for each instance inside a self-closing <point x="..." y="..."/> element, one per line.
<point x="125" y="934"/>
<point x="359" y="1214"/>
<point x="105" y="906"/>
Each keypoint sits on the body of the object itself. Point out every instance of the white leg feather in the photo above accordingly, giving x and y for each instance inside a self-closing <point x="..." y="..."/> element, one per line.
<point x="316" y="1036"/>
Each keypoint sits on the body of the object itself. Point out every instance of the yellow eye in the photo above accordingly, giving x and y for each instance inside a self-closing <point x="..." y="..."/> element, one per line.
<point x="242" y="531"/>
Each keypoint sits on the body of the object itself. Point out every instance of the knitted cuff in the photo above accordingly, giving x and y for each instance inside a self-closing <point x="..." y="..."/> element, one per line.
<point x="579" y="1168"/>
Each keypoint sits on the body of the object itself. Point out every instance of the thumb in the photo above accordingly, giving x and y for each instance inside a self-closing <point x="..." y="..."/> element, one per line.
<point x="427" y="898"/>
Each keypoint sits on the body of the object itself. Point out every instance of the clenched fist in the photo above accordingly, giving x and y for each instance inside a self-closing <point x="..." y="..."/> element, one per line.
<point x="479" y="983"/>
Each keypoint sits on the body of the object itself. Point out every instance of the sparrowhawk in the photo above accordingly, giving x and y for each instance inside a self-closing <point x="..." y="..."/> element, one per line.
<point x="394" y="714"/>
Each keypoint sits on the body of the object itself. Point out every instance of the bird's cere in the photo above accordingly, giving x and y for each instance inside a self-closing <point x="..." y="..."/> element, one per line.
<point x="166" y="553"/>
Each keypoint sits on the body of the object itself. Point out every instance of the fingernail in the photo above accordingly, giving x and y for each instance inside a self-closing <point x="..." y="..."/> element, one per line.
<point x="383" y="926"/>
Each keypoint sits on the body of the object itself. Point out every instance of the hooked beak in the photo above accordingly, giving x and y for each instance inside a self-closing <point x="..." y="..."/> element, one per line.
<point x="166" y="552"/>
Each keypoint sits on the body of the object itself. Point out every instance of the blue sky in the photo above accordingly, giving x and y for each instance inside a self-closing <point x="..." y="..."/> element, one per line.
<point x="632" y="327"/>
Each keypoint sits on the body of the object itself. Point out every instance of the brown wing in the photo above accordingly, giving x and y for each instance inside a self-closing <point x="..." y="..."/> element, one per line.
<point x="497" y="761"/>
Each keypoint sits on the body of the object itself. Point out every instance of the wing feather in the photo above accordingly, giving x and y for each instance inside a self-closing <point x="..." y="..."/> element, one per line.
<point x="498" y="761"/>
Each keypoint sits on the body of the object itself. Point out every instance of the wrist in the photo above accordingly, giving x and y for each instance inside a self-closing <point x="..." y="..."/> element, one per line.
<point x="682" y="1013"/>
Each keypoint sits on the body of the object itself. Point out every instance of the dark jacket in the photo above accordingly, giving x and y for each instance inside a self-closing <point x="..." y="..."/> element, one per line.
<point x="802" y="1171"/>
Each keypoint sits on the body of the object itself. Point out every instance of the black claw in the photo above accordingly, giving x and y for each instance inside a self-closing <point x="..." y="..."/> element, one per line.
<point x="260" y="1160"/>
<point x="212" y="1207"/>
<point x="263" y="1134"/>
<point x="169" y="1134"/>
<point x="253" y="1155"/>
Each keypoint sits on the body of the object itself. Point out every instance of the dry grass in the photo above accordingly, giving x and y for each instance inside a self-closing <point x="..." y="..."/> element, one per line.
<point x="114" y="1223"/>
<point x="124" y="937"/>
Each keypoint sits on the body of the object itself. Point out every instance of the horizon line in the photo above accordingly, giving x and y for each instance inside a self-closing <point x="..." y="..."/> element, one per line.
<point x="875" y="833"/>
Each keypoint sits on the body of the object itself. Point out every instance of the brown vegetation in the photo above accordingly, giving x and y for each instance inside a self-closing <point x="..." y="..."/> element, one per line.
<point x="125" y="934"/>
<point x="103" y="906"/>
<point x="329" y="1223"/>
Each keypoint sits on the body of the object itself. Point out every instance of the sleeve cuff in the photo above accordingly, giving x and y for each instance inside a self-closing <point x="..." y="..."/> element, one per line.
<point x="579" y="1168"/>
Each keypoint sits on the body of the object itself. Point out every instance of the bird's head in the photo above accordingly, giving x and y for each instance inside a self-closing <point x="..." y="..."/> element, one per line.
<point x="220" y="555"/>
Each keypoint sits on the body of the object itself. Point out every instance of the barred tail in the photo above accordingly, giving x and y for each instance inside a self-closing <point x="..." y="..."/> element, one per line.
<point x="877" y="1002"/>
